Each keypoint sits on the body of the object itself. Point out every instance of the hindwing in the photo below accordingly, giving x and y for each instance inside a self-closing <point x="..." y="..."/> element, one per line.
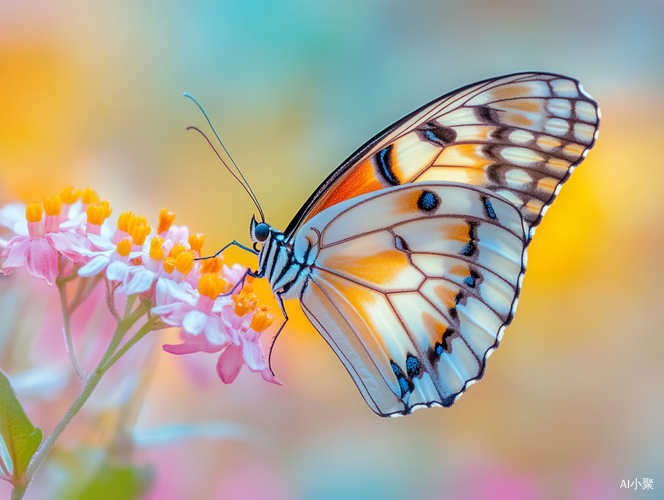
<point x="519" y="136"/>
<point x="412" y="287"/>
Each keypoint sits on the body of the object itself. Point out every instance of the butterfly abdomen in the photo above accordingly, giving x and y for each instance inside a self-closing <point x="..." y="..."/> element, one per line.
<point x="286" y="273"/>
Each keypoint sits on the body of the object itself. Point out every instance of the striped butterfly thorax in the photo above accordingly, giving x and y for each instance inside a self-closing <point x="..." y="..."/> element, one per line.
<point x="408" y="259"/>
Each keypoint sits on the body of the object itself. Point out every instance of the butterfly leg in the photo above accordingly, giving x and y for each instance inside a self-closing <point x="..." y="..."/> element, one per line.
<point x="226" y="246"/>
<point x="280" y="301"/>
<point x="240" y="282"/>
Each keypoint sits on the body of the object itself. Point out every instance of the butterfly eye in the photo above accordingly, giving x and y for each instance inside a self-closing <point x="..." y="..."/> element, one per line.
<point x="261" y="231"/>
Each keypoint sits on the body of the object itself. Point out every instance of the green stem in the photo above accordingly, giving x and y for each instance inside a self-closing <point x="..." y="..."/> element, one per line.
<point x="148" y="327"/>
<point x="69" y="339"/>
<point x="19" y="491"/>
<point x="91" y="383"/>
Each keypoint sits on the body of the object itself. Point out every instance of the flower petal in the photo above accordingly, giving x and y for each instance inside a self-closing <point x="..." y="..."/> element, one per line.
<point x="191" y="344"/>
<point x="194" y="322"/>
<point x="140" y="281"/>
<point x="101" y="242"/>
<point x="95" y="266"/>
<point x="268" y="377"/>
<point x="117" y="271"/>
<point x="253" y="356"/>
<point x="229" y="364"/>
<point x="43" y="260"/>
<point x="18" y="248"/>
<point x="213" y="331"/>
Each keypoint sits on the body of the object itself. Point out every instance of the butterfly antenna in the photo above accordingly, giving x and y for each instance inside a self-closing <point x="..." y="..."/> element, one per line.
<point x="229" y="169"/>
<point x="246" y="185"/>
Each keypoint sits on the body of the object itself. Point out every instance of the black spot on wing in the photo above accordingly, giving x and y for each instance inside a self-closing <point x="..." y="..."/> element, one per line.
<point x="436" y="134"/>
<point x="444" y="345"/>
<point x="488" y="208"/>
<point x="413" y="366"/>
<point x="405" y="385"/>
<point x="471" y="281"/>
<point x="428" y="201"/>
<point x="383" y="164"/>
<point x="470" y="248"/>
<point x="486" y="114"/>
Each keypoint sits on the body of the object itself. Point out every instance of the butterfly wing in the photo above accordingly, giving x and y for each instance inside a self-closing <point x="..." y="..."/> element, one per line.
<point x="519" y="136"/>
<point x="412" y="287"/>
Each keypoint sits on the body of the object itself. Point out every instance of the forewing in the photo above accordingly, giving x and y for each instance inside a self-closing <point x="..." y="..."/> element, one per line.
<point x="412" y="288"/>
<point x="519" y="136"/>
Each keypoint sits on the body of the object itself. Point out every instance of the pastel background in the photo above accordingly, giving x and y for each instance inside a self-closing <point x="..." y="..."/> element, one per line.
<point x="571" y="404"/>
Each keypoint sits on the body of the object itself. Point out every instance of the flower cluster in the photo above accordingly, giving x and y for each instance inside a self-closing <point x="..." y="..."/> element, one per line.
<point x="69" y="236"/>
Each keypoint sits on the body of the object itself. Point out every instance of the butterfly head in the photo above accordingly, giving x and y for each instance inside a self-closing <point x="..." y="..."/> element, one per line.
<point x="260" y="231"/>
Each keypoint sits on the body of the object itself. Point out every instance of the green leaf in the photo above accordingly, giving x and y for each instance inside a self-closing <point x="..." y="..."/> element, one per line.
<point x="21" y="437"/>
<point x="118" y="483"/>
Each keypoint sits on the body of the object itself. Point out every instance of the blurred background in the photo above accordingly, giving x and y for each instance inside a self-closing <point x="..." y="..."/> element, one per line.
<point x="571" y="404"/>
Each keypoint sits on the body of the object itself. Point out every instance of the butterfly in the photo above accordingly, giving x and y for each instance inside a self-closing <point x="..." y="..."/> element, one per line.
<point x="409" y="258"/>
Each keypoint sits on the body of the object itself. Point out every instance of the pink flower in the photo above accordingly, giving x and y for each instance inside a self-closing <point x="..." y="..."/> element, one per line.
<point x="250" y="351"/>
<point x="241" y="320"/>
<point x="114" y="259"/>
<point x="180" y="305"/>
<point x="40" y="240"/>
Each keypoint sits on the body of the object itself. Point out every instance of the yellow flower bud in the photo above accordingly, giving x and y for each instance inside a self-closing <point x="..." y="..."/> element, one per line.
<point x="169" y="264"/>
<point x="34" y="212"/>
<point x="139" y="233"/>
<point x="184" y="262"/>
<point x="261" y="321"/>
<point x="89" y="196"/>
<point x="69" y="195"/>
<point x="124" y="247"/>
<point x="53" y="205"/>
<point x="156" y="249"/>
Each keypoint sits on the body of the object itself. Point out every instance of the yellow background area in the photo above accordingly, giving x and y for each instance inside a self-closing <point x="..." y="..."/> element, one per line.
<point x="90" y="95"/>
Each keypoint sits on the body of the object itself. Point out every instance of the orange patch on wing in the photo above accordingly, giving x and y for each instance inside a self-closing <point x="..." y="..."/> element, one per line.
<point x="382" y="268"/>
<point x="547" y="184"/>
<point x="534" y="205"/>
<point x="460" y="270"/>
<point x="546" y="141"/>
<point x="433" y="326"/>
<point x="517" y="120"/>
<point x="468" y="175"/>
<point x="510" y="92"/>
<point x="560" y="166"/>
<point x="359" y="180"/>
<point x="456" y="232"/>
<point x="362" y="299"/>
<point x="446" y="295"/>
<point x="530" y="105"/>
<point x="463" y="155"/>
<point x="574" y="149"/>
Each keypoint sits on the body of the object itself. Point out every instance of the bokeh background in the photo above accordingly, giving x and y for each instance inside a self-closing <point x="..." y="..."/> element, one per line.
<point x="572" y="403"/>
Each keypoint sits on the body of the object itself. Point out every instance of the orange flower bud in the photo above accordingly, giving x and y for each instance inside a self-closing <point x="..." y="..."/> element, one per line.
<point x="261" y="321"/>
<point x="196" y="242"/>
<point x="166" y="219"/>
